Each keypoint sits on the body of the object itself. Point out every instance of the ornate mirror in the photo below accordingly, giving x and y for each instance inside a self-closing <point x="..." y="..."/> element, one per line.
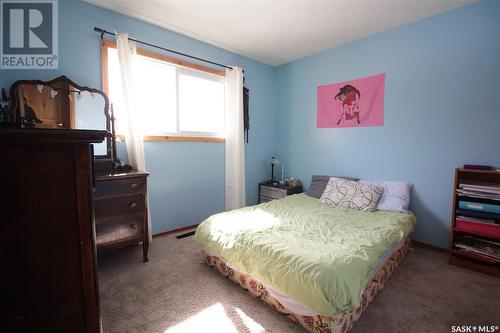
<point x="63" y="104"/>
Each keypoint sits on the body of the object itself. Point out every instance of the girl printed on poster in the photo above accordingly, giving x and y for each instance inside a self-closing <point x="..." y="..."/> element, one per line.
<point x="354" y="103"/>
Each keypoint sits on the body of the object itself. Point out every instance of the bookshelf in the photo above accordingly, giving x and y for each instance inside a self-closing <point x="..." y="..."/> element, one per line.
<point x="475" y="221"/>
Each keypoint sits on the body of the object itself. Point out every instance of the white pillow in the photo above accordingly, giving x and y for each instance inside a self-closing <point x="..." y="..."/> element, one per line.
<point x="350" y="194"/>
<point x="396" y="196"/>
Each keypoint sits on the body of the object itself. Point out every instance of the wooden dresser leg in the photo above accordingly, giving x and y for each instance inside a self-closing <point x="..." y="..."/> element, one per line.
<point x="145" y="246"/>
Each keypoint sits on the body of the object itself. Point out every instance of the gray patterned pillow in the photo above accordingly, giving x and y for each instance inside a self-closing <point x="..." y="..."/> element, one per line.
<point x="318" y="184"/>
<point x="345" y="193"/>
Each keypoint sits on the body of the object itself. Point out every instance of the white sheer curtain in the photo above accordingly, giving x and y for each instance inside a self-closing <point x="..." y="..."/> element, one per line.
<point x="235" y="145"/>
<point x="133" y="132"/>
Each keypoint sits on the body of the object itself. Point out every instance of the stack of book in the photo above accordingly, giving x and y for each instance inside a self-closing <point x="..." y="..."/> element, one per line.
<point x="479" y="190"/>
<point x="478" y="218"/>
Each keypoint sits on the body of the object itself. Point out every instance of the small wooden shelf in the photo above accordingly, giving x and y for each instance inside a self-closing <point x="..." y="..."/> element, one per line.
<point x="483" y="176"/>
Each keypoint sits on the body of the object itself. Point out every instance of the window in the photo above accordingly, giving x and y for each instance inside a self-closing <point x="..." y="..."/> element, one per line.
<point x="180" y="101"/>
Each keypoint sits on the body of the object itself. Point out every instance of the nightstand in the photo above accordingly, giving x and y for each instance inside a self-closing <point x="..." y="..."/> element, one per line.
<point x="120" y="210"/>
<point x="268" y="191"/>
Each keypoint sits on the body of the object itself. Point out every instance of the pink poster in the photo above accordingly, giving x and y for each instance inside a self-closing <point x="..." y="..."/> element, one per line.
<point x="354" y="103"/>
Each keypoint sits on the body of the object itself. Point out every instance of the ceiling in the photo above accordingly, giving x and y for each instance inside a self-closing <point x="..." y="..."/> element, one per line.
<point x="277" y="32"/>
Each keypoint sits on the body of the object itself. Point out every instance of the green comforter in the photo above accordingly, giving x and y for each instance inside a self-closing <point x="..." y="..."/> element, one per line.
<point x="318" y="255"/>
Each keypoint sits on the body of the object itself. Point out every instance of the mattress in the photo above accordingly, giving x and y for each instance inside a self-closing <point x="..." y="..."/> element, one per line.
<point x="301" y="309"/>
<point x="340" y="322"/>
<point x="319" y="256"/>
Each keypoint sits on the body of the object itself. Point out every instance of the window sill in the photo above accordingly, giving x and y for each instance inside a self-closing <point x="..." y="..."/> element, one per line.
<point x="121" y="137"/>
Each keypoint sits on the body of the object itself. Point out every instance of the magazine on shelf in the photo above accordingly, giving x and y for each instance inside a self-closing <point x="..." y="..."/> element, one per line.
<point x="480" y="246"/>
<point x="486" y="189"/>
<point x="477" y="251"/>
<point x="480" y="185"/>
<point x="476" y="256"/>
<point x="479" y="195"/>
<point x="488" y="241"/>
<point x="479" y="206"/>
<point x="480" y="189"/>
<point x="478" y="214"/>
<point x="475" y="220"/>
<point x="478" y="200"/>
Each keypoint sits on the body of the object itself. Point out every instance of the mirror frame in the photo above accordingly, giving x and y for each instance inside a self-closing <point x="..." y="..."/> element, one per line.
<point x="14" y="112"/>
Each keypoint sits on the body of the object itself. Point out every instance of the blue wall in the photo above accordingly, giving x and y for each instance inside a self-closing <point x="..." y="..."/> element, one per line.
<point x="442" y="109"/>
<point x="187" y="179"/>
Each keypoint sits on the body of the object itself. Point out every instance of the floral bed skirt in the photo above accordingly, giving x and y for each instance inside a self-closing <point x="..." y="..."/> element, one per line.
<point x="338" y="323"/>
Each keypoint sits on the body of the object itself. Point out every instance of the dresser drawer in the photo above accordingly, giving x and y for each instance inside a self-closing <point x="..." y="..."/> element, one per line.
<point x="118" y="206"/>
<point x="109" y="188"/>
<point x="119" y="230"/>
<point x="272" y="192"/>
<point x="263" y="198"/>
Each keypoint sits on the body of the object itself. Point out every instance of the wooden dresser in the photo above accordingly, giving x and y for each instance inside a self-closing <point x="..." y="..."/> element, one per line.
<point x="121" y="215"/>
<point x="49" y="275"/>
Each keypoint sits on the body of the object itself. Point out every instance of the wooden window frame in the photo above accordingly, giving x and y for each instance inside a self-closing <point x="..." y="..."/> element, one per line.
<point x="105" y="44"/>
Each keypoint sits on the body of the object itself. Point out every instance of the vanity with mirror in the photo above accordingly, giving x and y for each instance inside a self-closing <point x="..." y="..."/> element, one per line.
<point x="63" y="104"/>
<point x="120" y="206"/>
<point x="69" y="197"/>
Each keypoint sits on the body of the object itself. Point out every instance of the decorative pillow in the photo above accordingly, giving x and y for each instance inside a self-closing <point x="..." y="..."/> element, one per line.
<point x="396" y="196"/>
<point x="347" y="193"/>
<point x="318" y="184"/>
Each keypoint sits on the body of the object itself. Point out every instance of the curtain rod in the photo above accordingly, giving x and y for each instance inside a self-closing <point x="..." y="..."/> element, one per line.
<point x="105" y="32"/>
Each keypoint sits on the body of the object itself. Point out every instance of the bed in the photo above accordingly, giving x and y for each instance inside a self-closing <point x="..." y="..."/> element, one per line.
<point x="317" y="264"/>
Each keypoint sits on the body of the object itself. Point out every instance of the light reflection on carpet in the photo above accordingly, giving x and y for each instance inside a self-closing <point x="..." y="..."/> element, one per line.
<point x="215" y="319"/>
<point x="252" y="325"/>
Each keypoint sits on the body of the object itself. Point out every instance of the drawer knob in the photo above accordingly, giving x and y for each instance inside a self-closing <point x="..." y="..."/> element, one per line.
<point x="133" y="226"/>
<point x="132" y="185"/>
<point x="133" y="204"/>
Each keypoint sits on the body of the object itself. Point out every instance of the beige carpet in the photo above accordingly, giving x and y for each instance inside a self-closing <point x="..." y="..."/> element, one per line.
<point x="174" y="292"/>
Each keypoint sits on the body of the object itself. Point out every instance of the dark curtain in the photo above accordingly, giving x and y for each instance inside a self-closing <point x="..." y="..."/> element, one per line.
<point x="246" y="117"/>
